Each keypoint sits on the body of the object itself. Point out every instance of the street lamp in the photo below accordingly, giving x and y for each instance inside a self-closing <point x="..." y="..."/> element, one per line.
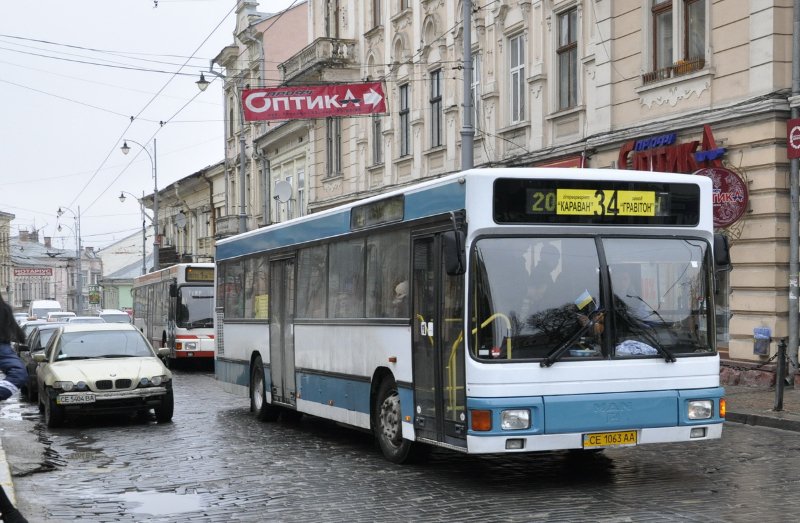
<point x="202" y="84"/>
<point x="78" y="254"/>
<point x="125" y="150"/>
<point x="144" y="227"/>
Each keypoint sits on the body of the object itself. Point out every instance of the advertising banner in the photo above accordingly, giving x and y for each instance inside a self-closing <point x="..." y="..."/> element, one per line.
<point x="318" y="101"/>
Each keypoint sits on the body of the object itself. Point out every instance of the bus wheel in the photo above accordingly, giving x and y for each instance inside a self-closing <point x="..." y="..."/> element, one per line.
<point x="258" y="394"/>
<point x="388" y="424"/>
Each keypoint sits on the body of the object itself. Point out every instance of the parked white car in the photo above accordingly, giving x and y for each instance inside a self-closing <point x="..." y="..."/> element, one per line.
<point x="96" y="368"/>
<point x="60" y="316"/>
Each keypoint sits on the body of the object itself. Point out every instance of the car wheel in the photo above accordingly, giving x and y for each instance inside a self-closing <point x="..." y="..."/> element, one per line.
<point x="31" y="391"/>
<point x="53" y="413"/>
<point x="258" y="394"/>
<point x="388" y="424"/>
<point x="165" y="410"/>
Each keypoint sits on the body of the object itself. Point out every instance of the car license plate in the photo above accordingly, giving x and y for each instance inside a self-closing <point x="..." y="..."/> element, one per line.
<point x="71" y="399"/>
<point x="626" y="438"/>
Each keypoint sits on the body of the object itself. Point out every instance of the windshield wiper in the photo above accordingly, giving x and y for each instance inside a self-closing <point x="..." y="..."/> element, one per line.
<point x="648" y="332"/>
<point x="559" y="351"/>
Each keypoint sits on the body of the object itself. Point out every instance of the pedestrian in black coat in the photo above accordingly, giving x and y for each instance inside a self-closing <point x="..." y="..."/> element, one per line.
<point x="15" y="376"/>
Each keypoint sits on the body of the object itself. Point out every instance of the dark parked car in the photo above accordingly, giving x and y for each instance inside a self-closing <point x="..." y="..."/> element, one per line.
<point x="38" y="337"/>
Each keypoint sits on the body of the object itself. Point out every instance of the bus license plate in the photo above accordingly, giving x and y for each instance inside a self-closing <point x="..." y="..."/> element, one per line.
<point x="75" y="398"/>
<point x="599" y="440"/>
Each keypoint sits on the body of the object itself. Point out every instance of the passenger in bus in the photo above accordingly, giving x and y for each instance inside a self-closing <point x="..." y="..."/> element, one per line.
<point x="541" y="288"/>
<point x="629" y="295"/>
<point x="399" y="300"/>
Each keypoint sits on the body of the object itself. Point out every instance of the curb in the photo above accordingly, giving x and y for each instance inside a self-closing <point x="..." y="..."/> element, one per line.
<point x="763" y="421"/>
<point x="5" y="477"/>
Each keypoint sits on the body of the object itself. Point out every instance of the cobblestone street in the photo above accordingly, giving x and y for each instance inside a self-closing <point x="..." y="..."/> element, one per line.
<point x="215" y="462"/>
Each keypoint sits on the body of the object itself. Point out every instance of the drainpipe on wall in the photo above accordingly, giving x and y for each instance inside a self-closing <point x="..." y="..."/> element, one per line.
<point x="794" y="226"/>
<point x="265" y="173"/>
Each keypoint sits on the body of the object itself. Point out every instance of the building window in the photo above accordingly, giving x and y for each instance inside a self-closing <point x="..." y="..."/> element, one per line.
<point x="567" y="59"/>
<point x="662" y="34"/>
<point x="678" y="38"/>
<point x="695" y="30"/>
<point x="301" y="192"/>
<point x="404" y="4"/>
<point x="475" y="90"/>
<point x="436" y="108"/>
<point x="377" y="140"/>
<point x="333" y="136"/>
<point x="405" y="122"/>
<point x="517" y="70"/>
<point x="376" y="13"/>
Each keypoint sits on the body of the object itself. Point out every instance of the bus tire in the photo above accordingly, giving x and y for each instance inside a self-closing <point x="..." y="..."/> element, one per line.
<point x="388" y="424"/>
<point x="258" y="394"/>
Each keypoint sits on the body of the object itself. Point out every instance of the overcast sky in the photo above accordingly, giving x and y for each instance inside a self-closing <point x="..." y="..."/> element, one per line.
<point x="73" y="73"/>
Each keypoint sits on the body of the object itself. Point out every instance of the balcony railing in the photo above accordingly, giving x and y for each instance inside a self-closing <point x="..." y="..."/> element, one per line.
<point x="323" y="52"/>
<point x="227" y="226"/>
<point x="680" y="68"/>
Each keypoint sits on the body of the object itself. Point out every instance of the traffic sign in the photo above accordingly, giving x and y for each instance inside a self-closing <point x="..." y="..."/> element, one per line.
<point x="318" y="101"/>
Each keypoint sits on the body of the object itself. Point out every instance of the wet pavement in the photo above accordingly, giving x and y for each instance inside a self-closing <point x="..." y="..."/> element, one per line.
<point x="215" y="463"/>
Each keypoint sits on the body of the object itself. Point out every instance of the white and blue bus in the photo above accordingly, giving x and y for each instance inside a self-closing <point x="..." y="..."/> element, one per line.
<point x="489" y="311"/>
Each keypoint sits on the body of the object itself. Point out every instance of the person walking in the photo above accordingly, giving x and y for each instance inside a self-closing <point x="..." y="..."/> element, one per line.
<point x="16" y="375"/>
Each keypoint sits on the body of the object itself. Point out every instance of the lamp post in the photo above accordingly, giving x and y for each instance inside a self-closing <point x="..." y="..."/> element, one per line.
<point x="202" y="84"/>
<point x="125" y="150"/>
<point x="144" y="227"/>
<point x="78" y="254"/>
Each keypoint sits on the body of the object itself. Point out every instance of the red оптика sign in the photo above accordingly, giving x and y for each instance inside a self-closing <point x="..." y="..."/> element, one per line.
<point x="793" y="138"/>
<point x="730" y="195"/>
<point x="319" y="101"/>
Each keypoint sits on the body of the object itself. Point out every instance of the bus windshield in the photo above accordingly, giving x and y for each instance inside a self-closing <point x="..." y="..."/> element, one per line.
<point x="195" y="307"/>
<point x="554" y="299"/>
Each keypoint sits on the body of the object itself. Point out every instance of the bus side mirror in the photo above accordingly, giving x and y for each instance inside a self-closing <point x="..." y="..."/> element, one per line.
<point x="173" y="290"/>
<point x="722" y="253"/>
<point x="454" y="253"/>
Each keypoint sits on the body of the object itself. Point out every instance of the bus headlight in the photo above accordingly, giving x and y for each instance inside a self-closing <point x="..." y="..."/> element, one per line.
<point x="699" y="409"/>
<point x="191" y="345"/>
<point x="516" y="419"/>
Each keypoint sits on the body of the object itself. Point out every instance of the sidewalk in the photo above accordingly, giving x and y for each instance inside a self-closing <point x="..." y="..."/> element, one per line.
<point x="753" y="405"/>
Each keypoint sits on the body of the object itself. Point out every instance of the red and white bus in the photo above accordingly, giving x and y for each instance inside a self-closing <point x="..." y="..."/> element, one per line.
<point x="174" y="307"/>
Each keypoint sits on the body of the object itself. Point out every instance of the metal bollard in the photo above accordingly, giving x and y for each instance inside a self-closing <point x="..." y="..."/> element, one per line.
<point x="780" y="375"/>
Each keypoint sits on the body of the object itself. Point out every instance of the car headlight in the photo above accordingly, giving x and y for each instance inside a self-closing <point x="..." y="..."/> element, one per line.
<point x="515" y="419"/>
<point x="66" y="386"/>
<point x="81" y="385"/>
<point x="144" y="382"/>
<point x="700" y="409"/>
<point x="157" y="380"/>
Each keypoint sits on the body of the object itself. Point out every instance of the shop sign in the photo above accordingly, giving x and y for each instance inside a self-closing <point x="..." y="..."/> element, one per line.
<point x="574" y="161"/>
<point x="793" y="138"/>
<point x="730" y="195"/>
<point x="662" y="153"/>
<point x="34" y="271"/>
<point x="317" y="101"/>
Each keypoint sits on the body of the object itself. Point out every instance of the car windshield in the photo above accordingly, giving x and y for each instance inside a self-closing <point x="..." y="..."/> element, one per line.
<point x="101" y="344"/>
<point x="86" y="320"/>
<point x="195" y="307"/>
<point x="552" y="298"/>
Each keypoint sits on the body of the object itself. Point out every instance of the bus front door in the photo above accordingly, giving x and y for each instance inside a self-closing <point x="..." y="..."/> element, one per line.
<point x="438" y="347"/>
<point x="281" y="334"/>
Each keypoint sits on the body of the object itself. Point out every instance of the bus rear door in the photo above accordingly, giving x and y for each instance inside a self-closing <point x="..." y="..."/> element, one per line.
<point x="281" y="336"/>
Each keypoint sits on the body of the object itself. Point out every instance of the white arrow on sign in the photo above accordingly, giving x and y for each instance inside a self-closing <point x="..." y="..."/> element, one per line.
<point x="372" y="97"/>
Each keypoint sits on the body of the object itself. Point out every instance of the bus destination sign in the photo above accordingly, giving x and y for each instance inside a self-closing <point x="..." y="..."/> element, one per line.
<point x="205" y="274"/>
<point x="588" y="202"/>
<point x="598" y="202"/>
